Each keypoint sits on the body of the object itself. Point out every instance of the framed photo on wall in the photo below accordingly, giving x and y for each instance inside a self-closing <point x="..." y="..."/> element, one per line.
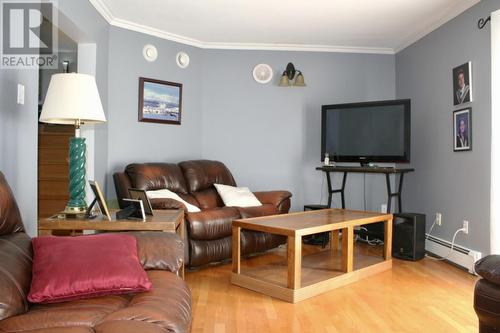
<point x="462" y="84"/>
<point x="462" y="130"/>
<point x="160" y="101"/>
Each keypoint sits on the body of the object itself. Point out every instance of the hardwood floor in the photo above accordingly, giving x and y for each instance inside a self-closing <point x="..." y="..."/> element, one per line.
<point x="424" y="296"/>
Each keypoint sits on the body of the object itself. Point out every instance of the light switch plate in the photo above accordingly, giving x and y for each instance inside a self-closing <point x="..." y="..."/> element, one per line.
<point x="20" y="94"/>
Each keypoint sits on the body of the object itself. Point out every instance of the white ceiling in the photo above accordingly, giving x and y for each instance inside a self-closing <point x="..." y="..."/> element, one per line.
<point x="372" y="26"/>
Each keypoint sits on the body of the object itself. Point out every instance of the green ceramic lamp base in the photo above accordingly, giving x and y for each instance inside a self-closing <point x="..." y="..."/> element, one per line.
<point x="76" y="203"/>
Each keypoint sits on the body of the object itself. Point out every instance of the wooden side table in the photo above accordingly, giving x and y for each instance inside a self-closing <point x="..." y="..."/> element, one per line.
<point x="162" y="220"/>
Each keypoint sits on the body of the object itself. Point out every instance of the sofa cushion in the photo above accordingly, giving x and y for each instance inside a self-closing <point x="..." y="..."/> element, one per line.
<point x="128" y="326"/>
<point x="202" y="174"/>
<point x="167" y="306"/>
<point x="208" y="199"/>
<point x="15" y="274"/>
<point x="212" y="223"/>
<point x="237" y="196"/>
<point x="69" y="268"/>
<point x="157" y="176"/>
<point x="83" y="313"/>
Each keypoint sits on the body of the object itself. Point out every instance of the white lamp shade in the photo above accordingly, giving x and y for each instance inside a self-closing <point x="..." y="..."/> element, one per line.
<point x="72" y="97"/>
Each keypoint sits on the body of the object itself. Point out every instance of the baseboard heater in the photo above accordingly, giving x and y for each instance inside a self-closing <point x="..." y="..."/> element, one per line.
<point x="460" y="255"/>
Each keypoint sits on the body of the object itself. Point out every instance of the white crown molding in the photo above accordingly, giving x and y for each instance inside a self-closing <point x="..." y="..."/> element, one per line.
<point x="125" y="24"/>
<point x="243" y="46"/>
<point x="155" y="32"/>
<point x="297" y="47"/>
<point x="103" y="10"/>
<point x="454" y="12"/>
<point x="409" y="40"/>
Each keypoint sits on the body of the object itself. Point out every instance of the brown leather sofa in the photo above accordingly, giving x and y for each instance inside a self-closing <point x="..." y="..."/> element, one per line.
<point x="487" y="294"/>
<point x="209" y="231"/>
<point x="167" y="308"/>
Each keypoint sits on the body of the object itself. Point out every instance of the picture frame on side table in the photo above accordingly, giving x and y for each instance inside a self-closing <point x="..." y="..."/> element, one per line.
<point x="138" y="210"/>
<point x="141" y="195"/>
<point x="99" y="198"/>
<point x="462" y="84"/>
<point x="462" y="130"/>
<point x="160" y="101"/>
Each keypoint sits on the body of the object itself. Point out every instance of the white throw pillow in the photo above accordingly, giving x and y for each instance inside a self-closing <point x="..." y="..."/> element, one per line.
<point x="237" y="196"/>
<point x="167" y="194"/>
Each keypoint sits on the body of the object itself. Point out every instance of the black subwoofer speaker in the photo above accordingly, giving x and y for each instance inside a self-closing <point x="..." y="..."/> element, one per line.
<point x="408" y="236"/>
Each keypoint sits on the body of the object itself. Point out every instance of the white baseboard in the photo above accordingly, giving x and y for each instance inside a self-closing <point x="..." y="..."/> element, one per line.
<point x="460" y="255"/>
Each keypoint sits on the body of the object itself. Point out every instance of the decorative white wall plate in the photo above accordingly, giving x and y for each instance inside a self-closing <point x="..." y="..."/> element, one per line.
<point x="262" y="73"/>
<point x="182" y="59"/>
<point x="150" y="52"/>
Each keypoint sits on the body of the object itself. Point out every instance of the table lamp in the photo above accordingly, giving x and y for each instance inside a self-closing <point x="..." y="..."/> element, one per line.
<point x="73" y="99"/>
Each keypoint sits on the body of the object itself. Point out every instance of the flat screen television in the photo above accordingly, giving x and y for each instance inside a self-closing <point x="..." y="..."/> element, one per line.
<point x="367" y="132"/>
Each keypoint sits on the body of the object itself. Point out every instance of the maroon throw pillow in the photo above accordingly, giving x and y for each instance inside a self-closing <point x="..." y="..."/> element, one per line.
<point x="70" y="268"/>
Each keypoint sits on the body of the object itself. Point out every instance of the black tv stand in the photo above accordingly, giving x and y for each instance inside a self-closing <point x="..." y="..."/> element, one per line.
<point x="387" y="171"/>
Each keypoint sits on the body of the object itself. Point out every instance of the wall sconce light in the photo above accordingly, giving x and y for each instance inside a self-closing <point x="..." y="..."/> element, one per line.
<point x="289" y="76"/>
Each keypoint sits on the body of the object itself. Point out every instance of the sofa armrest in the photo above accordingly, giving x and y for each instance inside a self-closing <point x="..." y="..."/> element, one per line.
<point x="160" y="250"/>
<point x="489" y="268"/>
<point x="280" y="199"/>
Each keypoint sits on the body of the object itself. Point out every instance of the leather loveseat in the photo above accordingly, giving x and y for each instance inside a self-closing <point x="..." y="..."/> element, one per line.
<point x="166" y="308"/>
<point x="487" y="294"/>
<point x="209" y="231"/>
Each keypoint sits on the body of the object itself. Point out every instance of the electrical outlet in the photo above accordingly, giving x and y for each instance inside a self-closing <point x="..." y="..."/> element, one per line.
<point x="466" y="227"/>
<point x="439" y="220"/>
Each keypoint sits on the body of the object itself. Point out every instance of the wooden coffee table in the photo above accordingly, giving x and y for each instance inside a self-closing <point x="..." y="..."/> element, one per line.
<point x="343" y="267"/>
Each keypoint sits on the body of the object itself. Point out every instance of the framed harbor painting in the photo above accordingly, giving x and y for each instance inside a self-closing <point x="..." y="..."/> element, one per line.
<point x="160" y="101"/>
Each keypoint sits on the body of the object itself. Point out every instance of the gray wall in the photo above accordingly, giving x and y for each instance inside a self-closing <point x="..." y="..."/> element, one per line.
<point x="18" y="140"/>
<point x="132" y="141"/>
<point x="269" y="136"/>
<point x="455" y="184"/>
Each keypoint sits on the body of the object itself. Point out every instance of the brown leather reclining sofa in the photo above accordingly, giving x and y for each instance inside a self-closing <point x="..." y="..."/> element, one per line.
<point x="209" y="231"/>
<point x="166" y="308"/>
